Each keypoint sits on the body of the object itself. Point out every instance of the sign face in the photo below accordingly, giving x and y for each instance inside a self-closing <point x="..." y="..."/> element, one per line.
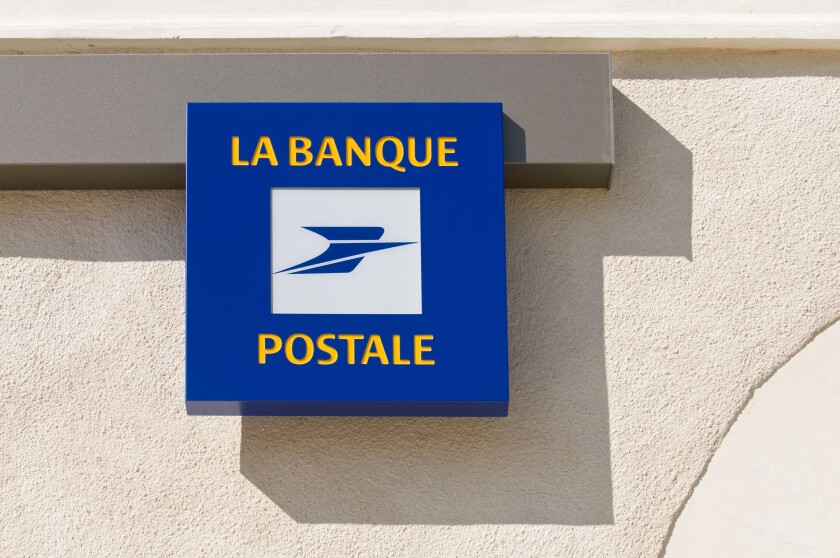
<point x="346" y="259"/>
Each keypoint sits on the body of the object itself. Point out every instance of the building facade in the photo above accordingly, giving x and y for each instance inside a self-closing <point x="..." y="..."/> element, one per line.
<point x="674" y="367"/>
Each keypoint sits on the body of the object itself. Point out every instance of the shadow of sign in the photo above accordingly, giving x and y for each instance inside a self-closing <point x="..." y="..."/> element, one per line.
<point x="549" y="461"/>
<point x="514" y="140"/>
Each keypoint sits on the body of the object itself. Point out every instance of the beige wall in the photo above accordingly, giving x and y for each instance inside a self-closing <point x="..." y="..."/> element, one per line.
<point x="641" y="320"/>
<point x="772" y="488"/>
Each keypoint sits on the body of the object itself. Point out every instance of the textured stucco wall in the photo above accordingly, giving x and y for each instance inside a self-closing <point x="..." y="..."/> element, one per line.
<point x="641" y="319"/>
<point x="772" y="489"/>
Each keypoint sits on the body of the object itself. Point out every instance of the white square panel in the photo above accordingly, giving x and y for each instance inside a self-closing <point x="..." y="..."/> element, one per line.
<point x="345" y="251"/>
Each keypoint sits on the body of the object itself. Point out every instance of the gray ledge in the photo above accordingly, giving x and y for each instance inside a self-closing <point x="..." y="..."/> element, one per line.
<point x="117" y="121"/>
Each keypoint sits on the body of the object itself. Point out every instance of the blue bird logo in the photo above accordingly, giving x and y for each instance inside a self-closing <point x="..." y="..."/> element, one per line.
<point x="348" y="247"/>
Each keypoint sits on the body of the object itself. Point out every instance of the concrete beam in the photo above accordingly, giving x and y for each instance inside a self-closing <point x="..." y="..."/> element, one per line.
<point x="117" y="121"/>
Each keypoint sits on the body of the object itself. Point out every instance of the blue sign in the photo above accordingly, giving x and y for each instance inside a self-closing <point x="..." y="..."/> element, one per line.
<point x="346" y="259"/>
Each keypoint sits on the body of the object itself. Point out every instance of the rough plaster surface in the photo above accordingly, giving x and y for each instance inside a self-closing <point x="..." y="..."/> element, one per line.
<point x="641" y="320"/>
<point x="772" y="488"/>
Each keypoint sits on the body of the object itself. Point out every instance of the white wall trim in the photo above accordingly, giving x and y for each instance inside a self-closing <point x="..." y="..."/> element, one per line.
<point x="810" y="26"/>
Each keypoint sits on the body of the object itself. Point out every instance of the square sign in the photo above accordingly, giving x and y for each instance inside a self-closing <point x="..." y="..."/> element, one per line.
<point x="346" y="259"/>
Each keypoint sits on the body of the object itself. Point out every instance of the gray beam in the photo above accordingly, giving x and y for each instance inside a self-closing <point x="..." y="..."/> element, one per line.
<point x="117" y="121"/>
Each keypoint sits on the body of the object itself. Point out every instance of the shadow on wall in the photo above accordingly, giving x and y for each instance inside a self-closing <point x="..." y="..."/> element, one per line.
<point x="514" y="140"/>
<point x="707" y="64"/>
<point x="549" y="461"/>
<point x="104" y="225"/>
